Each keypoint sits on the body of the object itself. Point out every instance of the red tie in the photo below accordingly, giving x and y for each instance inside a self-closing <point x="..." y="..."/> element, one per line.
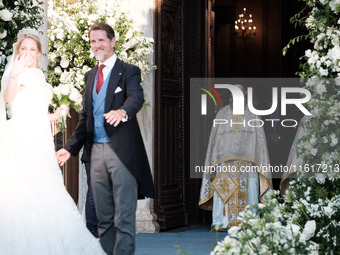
<point x="100" y="78"/>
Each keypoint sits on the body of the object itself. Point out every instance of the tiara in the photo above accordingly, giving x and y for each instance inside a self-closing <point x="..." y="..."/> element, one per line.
<point x="28" y="31"/>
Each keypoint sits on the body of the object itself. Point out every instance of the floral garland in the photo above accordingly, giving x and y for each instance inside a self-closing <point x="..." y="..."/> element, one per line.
<point x="310" y="212"/>
<point x="267" y="232"/>
<point x="322" y="68"/>
<point x="15" y="15"/>
<point x="69" y="47"/>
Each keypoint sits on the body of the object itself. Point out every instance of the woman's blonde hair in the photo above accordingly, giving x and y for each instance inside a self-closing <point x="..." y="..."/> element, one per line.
<point x="21" y="38"/>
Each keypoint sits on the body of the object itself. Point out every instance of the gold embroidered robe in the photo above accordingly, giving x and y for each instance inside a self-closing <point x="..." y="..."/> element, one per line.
<point x="237" y="146"/>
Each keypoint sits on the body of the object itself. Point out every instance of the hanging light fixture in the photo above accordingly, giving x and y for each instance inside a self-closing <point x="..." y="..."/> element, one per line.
<point x="244" y="26"/>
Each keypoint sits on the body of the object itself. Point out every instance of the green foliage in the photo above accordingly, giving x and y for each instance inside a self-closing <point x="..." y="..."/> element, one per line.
<point x="316" y="199"/>
<point x="70" y="56"/>
<point x="179" y="252"/>
<point x="265" y="230"/>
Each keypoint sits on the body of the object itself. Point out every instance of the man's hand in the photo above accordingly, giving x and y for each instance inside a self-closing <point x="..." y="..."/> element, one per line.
<point x="62" y="156"/>
<point x="114" y="117"/>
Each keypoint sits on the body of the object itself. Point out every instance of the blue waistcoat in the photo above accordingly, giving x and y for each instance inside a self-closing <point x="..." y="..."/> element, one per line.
<point x="98" y="105"/>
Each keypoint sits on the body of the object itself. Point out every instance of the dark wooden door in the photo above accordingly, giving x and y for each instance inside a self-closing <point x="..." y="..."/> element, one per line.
<point x="170" y="203"/>
<point x="70" y="170"/>
<point x="181" y="48"/>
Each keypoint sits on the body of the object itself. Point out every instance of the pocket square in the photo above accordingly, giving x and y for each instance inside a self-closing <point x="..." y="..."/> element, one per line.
<point x="118" y="89"/>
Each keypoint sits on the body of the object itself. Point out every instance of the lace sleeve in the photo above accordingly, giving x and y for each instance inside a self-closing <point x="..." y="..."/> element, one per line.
<point x="5" y="111"/>
<point x="5" y="79"/>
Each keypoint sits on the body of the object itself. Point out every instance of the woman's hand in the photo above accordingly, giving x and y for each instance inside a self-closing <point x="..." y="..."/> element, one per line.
<point x="60" y="110"/>
<point x="20" y="65"/>
<point x="54" y="116"/>
<point x="62" y="156"/>
<point x="64" y="110"/>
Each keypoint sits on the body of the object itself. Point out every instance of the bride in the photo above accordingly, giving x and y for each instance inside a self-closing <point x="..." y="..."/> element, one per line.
<point x="37" y="215"/>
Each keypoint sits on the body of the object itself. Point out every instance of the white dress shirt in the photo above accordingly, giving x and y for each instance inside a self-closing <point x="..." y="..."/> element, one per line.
<point x="109" y="64"/>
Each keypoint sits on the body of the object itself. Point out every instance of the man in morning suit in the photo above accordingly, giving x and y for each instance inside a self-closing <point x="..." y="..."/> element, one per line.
<point x="109" y="131"/>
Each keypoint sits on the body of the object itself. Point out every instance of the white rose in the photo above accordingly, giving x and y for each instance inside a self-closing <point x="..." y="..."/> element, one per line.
<point x="57" y="92"/>
<point x="303" y="237"/>
<point x="309" y="229"/>
<point x="312" y="140"/>
<point x="64" y="63"/>
<point x="334" y="5"/>
<point x="79" y="101"/>
<point x="256" y="241"/>
<point x="323" y="72"/>
<point x="318" y="64"/>
<point x="65" y="89"/>
<point x="277" y="224"/>
<point x="328" y="63"/>
<point x="52" y="56"/>
<point x="295" y="228"/>
<point x="314" y="151"/>
<point x="74" y="95"/>
<point x="3" y="34"/>
<point x="233" y="230"/>
<point x="334" y="140"/>
<point x="321" y="88"/>
<point x="57" y="70"/>
<point x="60" y="35"/>
<point x="85" y="37"/>
<point x="6" y="15"/>
<point x="261" y="206"/>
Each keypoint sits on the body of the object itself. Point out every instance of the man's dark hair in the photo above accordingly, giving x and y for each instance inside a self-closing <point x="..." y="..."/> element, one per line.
<point x="110" y="33"/>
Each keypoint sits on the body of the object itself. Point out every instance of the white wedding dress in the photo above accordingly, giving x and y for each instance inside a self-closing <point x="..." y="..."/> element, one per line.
<point x="37" y="215"/>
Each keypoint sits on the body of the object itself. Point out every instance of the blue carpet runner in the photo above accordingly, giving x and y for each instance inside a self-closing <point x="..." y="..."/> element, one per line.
<point x="196" y="241"/>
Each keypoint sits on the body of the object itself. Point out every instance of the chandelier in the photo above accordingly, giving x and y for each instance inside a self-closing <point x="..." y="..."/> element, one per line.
<point x="244" y="25"/>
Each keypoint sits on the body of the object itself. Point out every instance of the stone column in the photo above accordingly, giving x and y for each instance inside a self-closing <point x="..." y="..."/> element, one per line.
<point x="43" y="28"/>
<point x="146" y="219"/>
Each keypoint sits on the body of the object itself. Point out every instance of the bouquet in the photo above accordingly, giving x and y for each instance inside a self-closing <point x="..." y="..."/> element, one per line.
<point x="66" y="96"/>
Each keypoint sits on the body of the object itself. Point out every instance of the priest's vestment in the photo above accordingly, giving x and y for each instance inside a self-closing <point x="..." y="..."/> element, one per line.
<point x="239" y="150"/>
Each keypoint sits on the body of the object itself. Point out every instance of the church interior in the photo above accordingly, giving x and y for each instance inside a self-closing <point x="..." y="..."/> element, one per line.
<point x="199" y="39"/>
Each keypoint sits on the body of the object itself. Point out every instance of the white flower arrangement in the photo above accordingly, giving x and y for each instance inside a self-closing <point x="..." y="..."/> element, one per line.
<point x="6" y="15"/>
<point x="70" y="56"/>
<point x="268" y="234"/>
<point x="321" y="68"/>
<point x="66" y="96"/>
<point x="69" y="43"/>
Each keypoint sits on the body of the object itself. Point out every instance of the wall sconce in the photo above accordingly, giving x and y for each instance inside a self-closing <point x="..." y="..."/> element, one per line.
<point x="244" y="26"/>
